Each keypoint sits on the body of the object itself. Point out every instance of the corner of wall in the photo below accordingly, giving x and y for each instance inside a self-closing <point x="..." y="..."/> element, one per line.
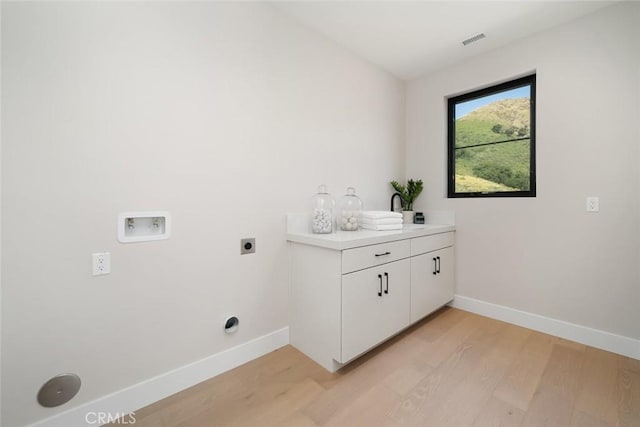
<point x="0" y="215"/>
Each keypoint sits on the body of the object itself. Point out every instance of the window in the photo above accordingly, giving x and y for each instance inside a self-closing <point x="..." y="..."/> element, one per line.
<point x="491" y="135"/>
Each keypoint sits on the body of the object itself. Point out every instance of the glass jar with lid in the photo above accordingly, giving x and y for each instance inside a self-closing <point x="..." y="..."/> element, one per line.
<point x="349" y="209"/>
<point x="322" y="213"/>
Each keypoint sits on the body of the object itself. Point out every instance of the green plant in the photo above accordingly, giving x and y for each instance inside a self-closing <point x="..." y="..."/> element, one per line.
<point x="408" y="193"/>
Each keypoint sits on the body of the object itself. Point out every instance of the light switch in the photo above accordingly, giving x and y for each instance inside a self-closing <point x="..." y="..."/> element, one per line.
<point x="593" y="204"/>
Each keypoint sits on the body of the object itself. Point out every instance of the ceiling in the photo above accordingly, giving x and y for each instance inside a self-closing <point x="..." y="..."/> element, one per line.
<point x="412" y="38"/>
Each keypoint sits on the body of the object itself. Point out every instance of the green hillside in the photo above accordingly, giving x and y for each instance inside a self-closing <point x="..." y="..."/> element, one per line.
<point x="467" y="183"/>
<point x="506" y="164"/>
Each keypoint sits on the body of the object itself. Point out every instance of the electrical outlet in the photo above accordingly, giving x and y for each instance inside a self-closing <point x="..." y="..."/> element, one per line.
<point x="593" y="204"/>
<point x="101" y="263"/>
<point x="247" y="246"/>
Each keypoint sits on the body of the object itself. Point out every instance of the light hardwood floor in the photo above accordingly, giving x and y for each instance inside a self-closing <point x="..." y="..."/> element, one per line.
<point x="452" y="369"/>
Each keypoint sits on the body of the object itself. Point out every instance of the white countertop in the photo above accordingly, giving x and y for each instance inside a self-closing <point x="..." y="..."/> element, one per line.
<point x="352" y="239"/>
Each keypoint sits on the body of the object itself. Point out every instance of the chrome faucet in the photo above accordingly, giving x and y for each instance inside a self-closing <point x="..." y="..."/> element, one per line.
<point x="401" y="202"/>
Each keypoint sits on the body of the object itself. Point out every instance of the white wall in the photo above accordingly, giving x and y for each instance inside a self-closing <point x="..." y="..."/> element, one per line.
<point x="227" y="115"/>
<point x="546" y="255"/>
<point x="0" y="218"/>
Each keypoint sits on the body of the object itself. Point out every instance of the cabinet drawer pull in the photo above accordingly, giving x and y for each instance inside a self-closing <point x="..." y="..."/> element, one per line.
<point x="386" y="275"/>
<point x="435" y="266"/>
<point x="384" y="253"/>
<point x="380" y="292"/>
<point x="438" y="270"/>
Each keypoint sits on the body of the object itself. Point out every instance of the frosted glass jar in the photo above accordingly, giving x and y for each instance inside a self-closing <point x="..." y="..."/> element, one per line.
<point x="322" y="212"/>
<point x="349" y="209"/>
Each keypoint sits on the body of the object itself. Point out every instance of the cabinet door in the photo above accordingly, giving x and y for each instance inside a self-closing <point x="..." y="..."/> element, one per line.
<point x="369" y="318"/>
<point x="432" y="282"/>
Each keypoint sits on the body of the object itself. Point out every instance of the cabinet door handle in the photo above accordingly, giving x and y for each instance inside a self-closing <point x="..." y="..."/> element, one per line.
<point x="386" y="275"/>
<point x="438" y="270"/>
<point x="384" y="253"/>
<point x="380" y="292"/>
<point x="435" y="266"/>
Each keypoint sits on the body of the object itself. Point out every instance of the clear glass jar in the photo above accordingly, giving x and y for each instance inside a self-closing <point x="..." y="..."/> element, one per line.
<point x="349" y="209"/>
<point x="322" y="213"/>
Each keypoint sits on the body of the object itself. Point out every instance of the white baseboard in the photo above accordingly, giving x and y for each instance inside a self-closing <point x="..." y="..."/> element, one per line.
<point x="142" y="394"/>
<point x="593" y="337"/>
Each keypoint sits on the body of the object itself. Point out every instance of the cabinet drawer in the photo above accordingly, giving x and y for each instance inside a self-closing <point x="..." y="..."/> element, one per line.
<point x="369" y="256"/>
<point x="421" y="245"/>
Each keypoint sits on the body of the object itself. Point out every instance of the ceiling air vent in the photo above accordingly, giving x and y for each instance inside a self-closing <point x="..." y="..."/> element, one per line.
<point x="473" y="39"/>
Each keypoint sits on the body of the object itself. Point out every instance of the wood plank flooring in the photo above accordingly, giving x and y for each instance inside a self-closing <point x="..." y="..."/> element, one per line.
<point x="452" y="369"/>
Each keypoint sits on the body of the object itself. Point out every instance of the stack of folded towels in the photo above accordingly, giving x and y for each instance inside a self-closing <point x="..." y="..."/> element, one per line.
<point x="380" y="220"/>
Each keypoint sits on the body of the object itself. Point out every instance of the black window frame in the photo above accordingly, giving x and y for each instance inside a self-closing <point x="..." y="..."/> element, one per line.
<point x="451" y="119"/>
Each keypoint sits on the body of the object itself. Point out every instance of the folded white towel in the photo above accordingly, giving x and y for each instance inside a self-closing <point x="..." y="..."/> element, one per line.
<point x="381" y="221"/>
<point x="382" y="227"/>
<point x="380" y="214"/>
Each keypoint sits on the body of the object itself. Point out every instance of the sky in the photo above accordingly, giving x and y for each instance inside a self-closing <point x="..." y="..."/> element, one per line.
<point x="465" y="108"/>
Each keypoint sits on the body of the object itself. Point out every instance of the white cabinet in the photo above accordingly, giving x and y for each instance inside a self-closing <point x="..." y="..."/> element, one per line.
<point x="432" y="282"/>
<point x="347" y="299"/>
<point x="374" y="306"/>
<point x="432" y="273"/>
